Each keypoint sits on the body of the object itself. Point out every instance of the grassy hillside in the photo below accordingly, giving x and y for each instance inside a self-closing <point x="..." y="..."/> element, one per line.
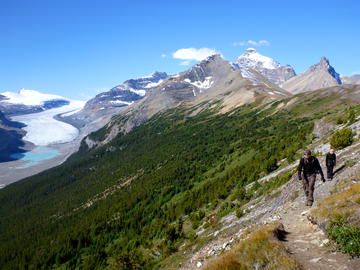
<point x="123" y="205"/>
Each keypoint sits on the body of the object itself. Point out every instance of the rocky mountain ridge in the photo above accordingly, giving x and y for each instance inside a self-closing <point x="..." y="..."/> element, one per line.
<point x="318" y="76"/>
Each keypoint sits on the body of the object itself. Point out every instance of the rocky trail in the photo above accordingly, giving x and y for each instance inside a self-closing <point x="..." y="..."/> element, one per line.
<point x="305" y="241"/>
<point x="308" y="244"/>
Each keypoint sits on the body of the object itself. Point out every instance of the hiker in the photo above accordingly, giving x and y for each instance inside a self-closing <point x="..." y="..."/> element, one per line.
<point x="330" y="164"/>
<point x="308" y="167"/>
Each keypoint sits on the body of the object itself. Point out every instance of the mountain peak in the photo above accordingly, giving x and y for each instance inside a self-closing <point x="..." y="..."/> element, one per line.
<point x="323" y="59"/>
<point x="319" y="75"/>
<point x="324" y="64"/>
<point x="252" y="59"/>
<point x="251" y="50"/>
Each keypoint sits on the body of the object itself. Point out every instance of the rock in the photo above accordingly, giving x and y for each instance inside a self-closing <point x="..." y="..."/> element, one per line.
<point x="198" y="264"/>
<point x="305" y="213"/>
<point x="315" y="260"/>
<point x="325" y="242"/>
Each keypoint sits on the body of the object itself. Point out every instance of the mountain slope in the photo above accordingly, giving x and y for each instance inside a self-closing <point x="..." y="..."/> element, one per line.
<point x="10" y="138"/>
<point x="211" y="83"/>
<point x="318" y="76"/>
<point x="136" y="200"/>
<point x="252" y="61"/>
<point x="354" y="79"/>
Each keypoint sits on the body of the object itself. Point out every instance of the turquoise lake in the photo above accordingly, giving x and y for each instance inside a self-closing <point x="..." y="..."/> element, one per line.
<point x="36" y="155"/>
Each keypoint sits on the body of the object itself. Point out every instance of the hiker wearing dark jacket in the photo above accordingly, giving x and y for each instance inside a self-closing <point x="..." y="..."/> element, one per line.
<point x="330" y="164"/>
<point x="308" y="167"/>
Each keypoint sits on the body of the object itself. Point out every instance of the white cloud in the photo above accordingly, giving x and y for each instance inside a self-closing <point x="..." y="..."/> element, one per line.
<point x="193" y="53"/>
<point x="185" y="63"/>
<point x="262" y="42"/>
<point x="251" y="42"/>
<point x="240" y="43"/>
<point x="164" y="55"/>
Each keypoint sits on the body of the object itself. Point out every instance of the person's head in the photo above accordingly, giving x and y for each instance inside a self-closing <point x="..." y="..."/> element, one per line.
<point x="307" y="153"/>
<point x="332" y="151"/>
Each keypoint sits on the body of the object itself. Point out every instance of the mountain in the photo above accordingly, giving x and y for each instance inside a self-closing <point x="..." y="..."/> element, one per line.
<point x="318" y="76"/>
<point x="251" y="61"/>
<point x="127" y="92"/>
<point x="212" y="80"/>
<point x="98" y="111"/>
<point x="10" y="138"/>
<point x="184" y="187"/>
<point x="29" y="101"/>
<point x="354" y="79"/>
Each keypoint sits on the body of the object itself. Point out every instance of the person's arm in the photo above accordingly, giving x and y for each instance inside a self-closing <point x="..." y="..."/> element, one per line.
<point x="334" y="160"/>
<point x="300" y="167"/>
<point x="320" y="170"/>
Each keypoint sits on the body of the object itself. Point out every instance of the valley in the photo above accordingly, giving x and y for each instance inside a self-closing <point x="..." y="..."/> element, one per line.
<point x="173" y="172"/>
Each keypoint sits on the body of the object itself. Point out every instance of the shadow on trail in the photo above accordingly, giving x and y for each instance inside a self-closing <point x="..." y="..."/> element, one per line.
<point x="339" y="169"/>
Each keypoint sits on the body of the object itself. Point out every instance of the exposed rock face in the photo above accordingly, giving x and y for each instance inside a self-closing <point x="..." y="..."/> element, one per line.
<point x="318" y="76"/>
<point x="251" y="61"/>
<point x="354" y="79"/>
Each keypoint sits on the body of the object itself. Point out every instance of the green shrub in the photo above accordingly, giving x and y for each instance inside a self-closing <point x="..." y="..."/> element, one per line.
<point x="340" y="121"/>
<point x="342" y="138"/>
<point x="239" y="212"/>
<point x="345" y="235"/>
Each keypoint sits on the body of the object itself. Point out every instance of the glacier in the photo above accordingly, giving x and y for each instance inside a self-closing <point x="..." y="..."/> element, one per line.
<point x="43" y="129"/>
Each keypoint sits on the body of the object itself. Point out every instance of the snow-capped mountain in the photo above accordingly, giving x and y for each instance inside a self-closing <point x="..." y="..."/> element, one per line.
<point x="98" y="111"/>
<point x="29" y="101"/>
<point x="318" y="76"/>
<point x="211" y="81"/>
<point x="127" y="92"/>
<point x="251" y="61"/>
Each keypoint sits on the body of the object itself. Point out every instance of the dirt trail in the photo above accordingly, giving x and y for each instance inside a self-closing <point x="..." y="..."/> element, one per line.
<point x="308" y="244"/>
<point x="306" y="241"/>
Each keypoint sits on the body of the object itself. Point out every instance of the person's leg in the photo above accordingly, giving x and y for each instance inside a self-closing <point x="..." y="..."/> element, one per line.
<point x="328" y="170"/>
<point x="306" y="187"/>
<point x="331" y="172"/>
<point x="311" y="179"/>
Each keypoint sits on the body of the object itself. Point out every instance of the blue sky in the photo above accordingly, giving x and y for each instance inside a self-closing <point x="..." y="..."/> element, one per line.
<point x="78" y="48"/>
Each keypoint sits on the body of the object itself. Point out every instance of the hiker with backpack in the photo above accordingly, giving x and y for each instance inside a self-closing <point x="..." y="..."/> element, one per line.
<point x="308" y="167"/>
<point x="330" y="164"/>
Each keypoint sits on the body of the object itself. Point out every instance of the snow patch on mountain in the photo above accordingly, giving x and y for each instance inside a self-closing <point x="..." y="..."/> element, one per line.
<point x="29" y="97"/>
<point x="202" y="84"/>
<point x="153" y="84"/>
<point x="138" y="92"/>
<point x="121" y="102"/>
